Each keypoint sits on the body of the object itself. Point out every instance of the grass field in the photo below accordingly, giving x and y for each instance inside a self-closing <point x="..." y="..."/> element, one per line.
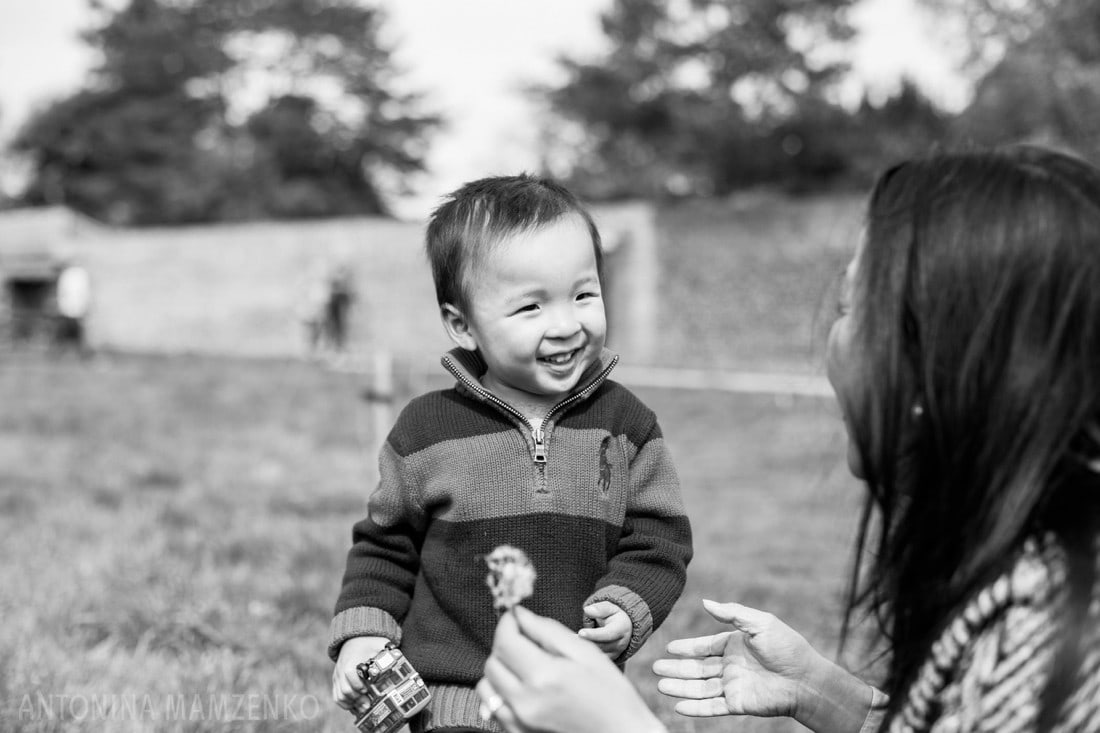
<point x="177" y="527"/>
<point x="173" y="530"/>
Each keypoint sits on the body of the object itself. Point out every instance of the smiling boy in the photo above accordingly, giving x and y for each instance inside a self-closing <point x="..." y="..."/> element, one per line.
<point x="534" y="447"/>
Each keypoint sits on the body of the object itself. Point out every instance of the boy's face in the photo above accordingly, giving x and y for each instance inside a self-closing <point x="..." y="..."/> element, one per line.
<point x="535" y="312"/>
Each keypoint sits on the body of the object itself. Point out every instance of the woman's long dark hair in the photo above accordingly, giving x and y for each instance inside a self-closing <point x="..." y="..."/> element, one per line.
<point x="977" y="306"/>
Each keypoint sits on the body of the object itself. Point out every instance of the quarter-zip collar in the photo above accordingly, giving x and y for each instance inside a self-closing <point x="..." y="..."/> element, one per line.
<point x="467" y="367"/>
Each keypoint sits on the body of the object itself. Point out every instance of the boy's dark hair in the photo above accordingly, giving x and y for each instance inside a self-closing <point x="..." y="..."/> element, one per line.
<point x="481" y="213"/>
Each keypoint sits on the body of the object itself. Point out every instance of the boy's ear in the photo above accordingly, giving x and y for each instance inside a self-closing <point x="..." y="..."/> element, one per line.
<point x="457" y="326"/>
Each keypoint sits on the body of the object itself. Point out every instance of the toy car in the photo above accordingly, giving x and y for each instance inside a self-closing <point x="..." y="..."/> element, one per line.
<point x="396" y="691"/>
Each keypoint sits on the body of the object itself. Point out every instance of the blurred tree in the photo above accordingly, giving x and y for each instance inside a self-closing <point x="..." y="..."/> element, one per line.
<point x="904" y="125"/>
<point x="207" y="110"/>
<point x="705" y="96"/>
<point x="1030" y="97"/>
<point x="1037" y="66"/>
<point x="993" y="28"/>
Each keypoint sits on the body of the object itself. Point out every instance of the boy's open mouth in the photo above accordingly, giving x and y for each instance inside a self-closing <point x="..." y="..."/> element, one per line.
<point x="562" y="358"/>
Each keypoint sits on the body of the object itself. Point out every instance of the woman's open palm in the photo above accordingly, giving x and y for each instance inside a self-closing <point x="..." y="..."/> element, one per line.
<point x="755" y="670"/>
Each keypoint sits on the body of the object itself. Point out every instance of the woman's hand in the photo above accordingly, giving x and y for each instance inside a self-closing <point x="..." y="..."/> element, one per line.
<point x="763" y="668"/>
<point x="755" y="670"/>
<point x="542" y="677"/>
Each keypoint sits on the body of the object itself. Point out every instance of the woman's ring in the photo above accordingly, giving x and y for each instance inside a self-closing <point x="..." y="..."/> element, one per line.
<point x="494" y="704"/>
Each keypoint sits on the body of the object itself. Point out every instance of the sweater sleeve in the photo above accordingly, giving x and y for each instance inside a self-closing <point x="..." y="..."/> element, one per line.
<point x="877" y="712"/>
<point x="647" y="573"/>
<point x="383" y="561"/>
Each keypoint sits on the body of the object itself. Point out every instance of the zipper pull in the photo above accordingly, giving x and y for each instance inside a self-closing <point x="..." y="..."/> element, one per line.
<point x="540" y="445"/>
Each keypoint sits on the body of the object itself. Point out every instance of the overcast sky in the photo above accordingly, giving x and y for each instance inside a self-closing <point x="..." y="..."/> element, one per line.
<point x="470" y="56"/>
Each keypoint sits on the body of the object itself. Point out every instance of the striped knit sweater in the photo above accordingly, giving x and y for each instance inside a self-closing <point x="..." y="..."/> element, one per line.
<point x="988" y="669"/>
<point x="593" y="500"/>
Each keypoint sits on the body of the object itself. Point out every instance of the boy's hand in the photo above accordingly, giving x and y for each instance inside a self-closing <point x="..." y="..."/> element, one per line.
<point x="613" y="628"/>
<point x="348" y="689"/>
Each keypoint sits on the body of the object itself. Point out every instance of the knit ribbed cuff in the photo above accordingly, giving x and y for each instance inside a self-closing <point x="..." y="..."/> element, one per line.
<point x="877" y="713"/>
<point x="635" y="607"/>
<point x="453" y="706"/>
<point x="361" y="621"/>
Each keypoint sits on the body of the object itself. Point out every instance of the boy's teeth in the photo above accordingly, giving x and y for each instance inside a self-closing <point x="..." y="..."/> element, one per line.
<point x="559" y="358"/>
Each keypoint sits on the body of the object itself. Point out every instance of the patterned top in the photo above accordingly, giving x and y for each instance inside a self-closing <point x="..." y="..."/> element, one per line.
<point x="988" y="670"/>
<point x="591" y="496"/>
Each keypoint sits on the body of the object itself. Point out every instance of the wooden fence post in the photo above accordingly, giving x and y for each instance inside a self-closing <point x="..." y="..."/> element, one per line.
<point x="379" y="394"/>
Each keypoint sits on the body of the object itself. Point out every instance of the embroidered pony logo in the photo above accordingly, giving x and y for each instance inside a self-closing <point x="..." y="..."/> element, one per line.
<point x="605" y="466"/>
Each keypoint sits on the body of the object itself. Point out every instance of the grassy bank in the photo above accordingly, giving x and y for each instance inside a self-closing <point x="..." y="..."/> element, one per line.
<point x="749" y="283"/>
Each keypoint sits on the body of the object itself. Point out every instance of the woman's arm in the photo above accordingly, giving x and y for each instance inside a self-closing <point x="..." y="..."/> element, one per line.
<point x="762" y="668"/>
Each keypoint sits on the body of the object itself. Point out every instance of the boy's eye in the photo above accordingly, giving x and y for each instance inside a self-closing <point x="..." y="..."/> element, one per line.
<point x="529" y="308"/>
<point x="588" y="294"/>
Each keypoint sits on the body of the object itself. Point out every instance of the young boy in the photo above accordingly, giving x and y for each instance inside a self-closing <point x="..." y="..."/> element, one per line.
<point x="533" y="447"/>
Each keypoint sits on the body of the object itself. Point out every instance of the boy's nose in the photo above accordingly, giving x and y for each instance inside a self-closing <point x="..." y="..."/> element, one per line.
<point x="563" y="323"/>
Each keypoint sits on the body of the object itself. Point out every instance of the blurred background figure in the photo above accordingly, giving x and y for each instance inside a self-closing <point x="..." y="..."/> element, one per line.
<point x="74" y="301"/>
<point x="325" y="309"/>
<point x="338" y="305"/>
